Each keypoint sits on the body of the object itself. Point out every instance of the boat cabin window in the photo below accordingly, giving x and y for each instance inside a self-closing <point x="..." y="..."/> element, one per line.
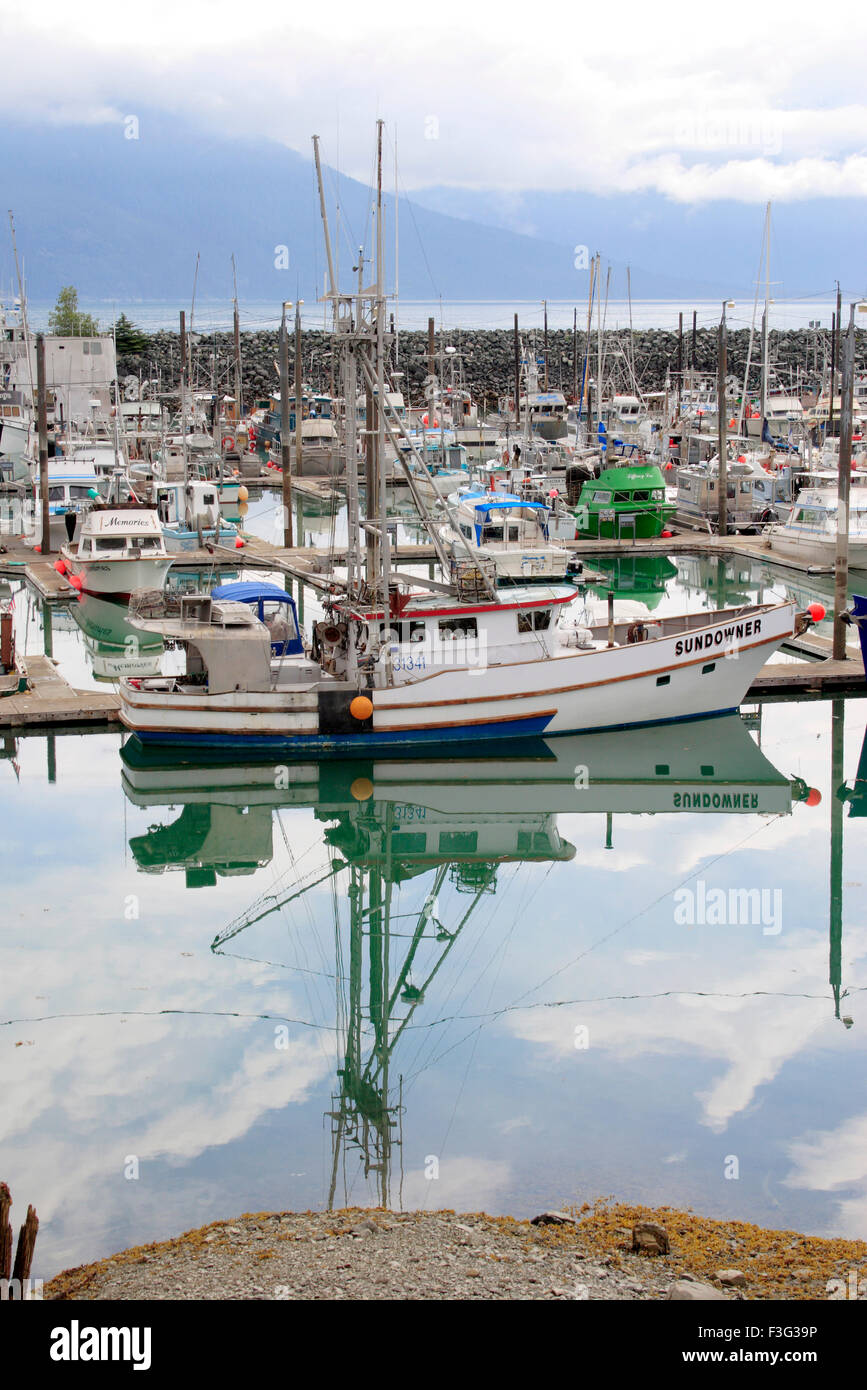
<point x="55" y="494"/>
<point x="514" y="533"/>
<point x="458" y="841"/>
<point x="602" y="497"/>
<point x="451" y="628"/>
<point x="112" y="542"/>
<point x="538" y="621"/>
<point x="467" y="531"/>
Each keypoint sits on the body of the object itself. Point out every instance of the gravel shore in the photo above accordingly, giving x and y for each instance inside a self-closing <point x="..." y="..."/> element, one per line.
<point x="600" y="1252"/>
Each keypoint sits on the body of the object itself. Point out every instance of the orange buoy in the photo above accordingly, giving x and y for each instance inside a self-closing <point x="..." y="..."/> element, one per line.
<point x="361" y="707"/>
<point x="362" y="789"/>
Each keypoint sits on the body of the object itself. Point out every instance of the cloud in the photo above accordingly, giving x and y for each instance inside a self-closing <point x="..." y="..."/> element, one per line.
<point x="835" y="1159"/>
<point x="678" y="109"/>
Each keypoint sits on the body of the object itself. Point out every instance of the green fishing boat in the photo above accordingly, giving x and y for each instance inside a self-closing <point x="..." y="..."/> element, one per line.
<point x="624" y="502"/>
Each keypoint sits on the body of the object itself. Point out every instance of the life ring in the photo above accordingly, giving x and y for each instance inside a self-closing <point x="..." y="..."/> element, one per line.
<point x="227" y="442"/>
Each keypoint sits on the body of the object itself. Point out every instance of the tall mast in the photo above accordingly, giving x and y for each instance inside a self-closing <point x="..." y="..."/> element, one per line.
<point x="396" y="262"/>
<point x="23" y="298"/>
<point x="332" y="282"/>
<point x="379" y="456"/>
<point x="236" y="326"/>
<point x="183" y="329"/>
<point x="765" y="314"/>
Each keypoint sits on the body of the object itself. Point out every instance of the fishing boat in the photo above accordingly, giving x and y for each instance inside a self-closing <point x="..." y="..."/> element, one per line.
<point x="13" y="673"/>
<point x="757" y="497"/>
<point x="191" y="515"/>
<point x="120" y="549"/>
<point x="399" y="661"/>
<point x="439" y="465"/>
<point x="625" y="500"/>
<point x="809" y="533"/>
<point x="435" y="670"/>
<point x="508" y="530"/>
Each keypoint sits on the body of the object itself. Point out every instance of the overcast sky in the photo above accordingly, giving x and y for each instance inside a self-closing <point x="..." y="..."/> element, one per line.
<point x="751" y="101"/>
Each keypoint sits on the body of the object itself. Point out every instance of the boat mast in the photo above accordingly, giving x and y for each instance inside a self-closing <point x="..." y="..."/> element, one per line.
<point x="343" y="327"/>
<point x="764" y="405"/>
<point x="379" y="452"/>
<point x="236" y="326"/>
<point x="23" y="298"/>
<point x="396" y="262"/>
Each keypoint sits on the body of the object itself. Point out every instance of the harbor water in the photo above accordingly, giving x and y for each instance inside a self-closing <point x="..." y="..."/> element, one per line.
<point x="625" y="964"/>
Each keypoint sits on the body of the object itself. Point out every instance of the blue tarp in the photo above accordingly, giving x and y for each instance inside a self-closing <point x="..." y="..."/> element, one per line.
<point x="496" y="501"/>
<point x="249" y="591"/>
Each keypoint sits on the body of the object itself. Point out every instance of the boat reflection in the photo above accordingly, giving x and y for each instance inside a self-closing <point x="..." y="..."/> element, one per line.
<point x="633" y="578"/>
<point x="485" y="808"/>
<point x="452" y="824"/>
<point x="114" y="648"/>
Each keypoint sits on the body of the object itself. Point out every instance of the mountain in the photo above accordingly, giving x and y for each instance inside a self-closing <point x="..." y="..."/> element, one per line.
<point x="123" y="219"/>
<point x="813" y="243"/>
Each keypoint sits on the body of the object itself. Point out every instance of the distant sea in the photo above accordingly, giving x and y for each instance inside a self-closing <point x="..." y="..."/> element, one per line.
<point x="212" y="316"/>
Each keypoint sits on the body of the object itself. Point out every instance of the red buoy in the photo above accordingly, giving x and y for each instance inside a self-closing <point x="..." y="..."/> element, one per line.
<point x="816" y="612"/>
<point x="239" y="544"/>
<point x="666" y="535"/>
<point x="813" y="797"/>
<point x="60" y="566"/>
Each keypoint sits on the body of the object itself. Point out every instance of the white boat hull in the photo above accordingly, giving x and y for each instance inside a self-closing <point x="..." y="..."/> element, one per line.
<point x="813" y="550"/>
<point x="117" y="577"/>
<point x="687" y="675"/>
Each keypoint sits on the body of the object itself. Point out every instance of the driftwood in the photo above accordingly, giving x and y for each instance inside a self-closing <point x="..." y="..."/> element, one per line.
<point x="26" y="1240"/>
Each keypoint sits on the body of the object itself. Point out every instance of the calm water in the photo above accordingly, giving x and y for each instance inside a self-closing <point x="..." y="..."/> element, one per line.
<point x="215" y="316"/>
<point x="499" y="984"/>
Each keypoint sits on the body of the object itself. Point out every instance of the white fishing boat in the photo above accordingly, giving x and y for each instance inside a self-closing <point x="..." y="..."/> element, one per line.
<point x="443" y="671"/>
<point x="509" y="530"/>
<point x="191" y="515"/>
<point x="809" y="533"/>
<point x="399" y="661"/>
<point x="441" y="467"/>
<point x="120" y="549"/>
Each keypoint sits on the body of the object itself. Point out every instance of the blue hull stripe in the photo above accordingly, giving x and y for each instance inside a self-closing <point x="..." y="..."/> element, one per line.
<point x="360" y="744"/>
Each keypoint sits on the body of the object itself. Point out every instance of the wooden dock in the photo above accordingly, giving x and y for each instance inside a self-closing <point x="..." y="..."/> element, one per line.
<point x="51" y="700"/>
<point x="781" y="680"/>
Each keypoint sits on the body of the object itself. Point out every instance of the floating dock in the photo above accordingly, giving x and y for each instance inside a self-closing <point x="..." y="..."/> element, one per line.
<point x="51" y="700"/>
